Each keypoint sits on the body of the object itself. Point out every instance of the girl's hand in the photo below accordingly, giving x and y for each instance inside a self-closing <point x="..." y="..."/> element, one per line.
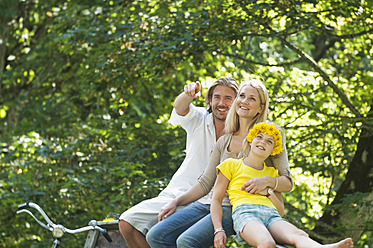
<point x="220" y="240"/>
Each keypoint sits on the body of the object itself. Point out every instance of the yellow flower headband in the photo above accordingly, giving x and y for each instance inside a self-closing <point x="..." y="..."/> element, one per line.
<point x="269" y="129"/>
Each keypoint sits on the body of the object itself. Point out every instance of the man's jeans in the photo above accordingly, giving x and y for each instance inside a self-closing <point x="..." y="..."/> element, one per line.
<point x="190" y="227"/>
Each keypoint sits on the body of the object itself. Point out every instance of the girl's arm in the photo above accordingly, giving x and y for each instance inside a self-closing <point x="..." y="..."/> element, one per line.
<point x="217" y="211"/>
<point x="277" y="200"/>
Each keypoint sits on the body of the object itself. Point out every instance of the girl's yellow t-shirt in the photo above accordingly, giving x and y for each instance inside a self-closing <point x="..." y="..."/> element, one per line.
<point x="238" y="173"/>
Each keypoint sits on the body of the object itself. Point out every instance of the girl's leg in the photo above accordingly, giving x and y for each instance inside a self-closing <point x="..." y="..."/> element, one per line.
<point x="256" y="234"/>
<point x="286" y="233"/>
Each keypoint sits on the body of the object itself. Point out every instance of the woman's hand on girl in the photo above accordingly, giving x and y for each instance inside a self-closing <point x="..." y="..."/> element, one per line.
<point x="255" y="185"/>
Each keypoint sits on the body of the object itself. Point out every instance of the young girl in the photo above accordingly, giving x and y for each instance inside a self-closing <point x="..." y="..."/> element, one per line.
<point x="255" y="218"/>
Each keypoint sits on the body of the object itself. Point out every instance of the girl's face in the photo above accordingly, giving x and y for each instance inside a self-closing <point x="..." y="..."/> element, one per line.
<point x="248" y="103"/>
<point x="263" y="144"/>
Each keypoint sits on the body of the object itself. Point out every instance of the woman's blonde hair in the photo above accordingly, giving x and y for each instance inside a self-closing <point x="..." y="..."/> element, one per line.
<point x="232" y="123"/>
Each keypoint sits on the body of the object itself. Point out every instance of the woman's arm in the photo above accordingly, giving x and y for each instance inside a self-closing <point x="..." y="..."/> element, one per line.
<point x="205" y="183"/>
<point x="217" y="211"/>
<point x="279" y="184"/>
<point x="207" y="179"/>
<point x="281" y="163"/>
<point x="191" y="195"/>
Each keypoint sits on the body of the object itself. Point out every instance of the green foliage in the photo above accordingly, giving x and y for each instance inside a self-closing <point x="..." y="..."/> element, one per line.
<point x="87" y="88"/>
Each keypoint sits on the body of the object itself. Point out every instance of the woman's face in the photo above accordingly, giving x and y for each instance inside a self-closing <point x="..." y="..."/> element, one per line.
<point x="248" y="103"/>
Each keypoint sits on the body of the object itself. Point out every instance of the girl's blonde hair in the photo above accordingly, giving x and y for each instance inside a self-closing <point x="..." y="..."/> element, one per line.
<point x="271" y="129"/>
<point x="232" y="123"/>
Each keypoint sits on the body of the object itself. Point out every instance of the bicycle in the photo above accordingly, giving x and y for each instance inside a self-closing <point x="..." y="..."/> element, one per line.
<point x="59" y="230"/>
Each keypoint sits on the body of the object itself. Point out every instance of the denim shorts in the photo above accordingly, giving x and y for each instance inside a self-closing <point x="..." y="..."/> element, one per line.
<point x="245" y="213"/>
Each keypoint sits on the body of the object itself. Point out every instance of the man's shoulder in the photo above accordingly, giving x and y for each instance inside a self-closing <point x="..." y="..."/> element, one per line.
<point x="196" y="121"/>
<point x="193" y="112"/>
<point x="200" y="115"/>
<point x="201" y="110"/>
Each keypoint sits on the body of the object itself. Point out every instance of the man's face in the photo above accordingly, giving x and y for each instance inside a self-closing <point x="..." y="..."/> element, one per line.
<point x="220" y="102"/>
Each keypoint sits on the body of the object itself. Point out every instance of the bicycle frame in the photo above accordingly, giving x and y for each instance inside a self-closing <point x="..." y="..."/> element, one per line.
<point x="59" y="230"/>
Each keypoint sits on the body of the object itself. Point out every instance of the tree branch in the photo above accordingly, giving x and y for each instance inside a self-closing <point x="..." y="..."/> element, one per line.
<point x="260" y="63"/>
<point x="350" y="36"/>
<point x="323" y="74"/>
<point x="341" y="117"/>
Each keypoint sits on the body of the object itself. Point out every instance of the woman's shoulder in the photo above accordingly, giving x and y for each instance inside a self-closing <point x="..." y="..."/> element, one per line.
<point x="226" y="138"/>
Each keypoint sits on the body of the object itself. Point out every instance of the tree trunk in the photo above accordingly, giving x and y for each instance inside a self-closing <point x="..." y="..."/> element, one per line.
<point x="3" y="40"/>
<point x="353" y="212"/>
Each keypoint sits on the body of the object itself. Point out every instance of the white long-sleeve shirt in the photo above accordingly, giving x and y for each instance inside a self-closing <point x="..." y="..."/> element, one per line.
<point x="201" y="139"/>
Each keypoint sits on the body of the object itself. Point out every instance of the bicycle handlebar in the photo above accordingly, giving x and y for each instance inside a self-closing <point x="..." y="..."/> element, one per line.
<point x="58" y="230"/>
<point x="23" y="206"/>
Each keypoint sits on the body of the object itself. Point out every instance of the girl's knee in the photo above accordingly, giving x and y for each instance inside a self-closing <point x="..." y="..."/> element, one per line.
<point x="298" y="237"/>
<point x="263" y="242"/>
<point x="268" y="243"/>
<point x="301" y="233"/>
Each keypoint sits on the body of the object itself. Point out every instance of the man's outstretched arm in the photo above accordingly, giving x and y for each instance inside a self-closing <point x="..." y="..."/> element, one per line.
<point x="182" y="102"/>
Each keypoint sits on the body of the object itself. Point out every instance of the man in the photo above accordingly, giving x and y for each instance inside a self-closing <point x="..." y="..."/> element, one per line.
<point x="203" y="129"/>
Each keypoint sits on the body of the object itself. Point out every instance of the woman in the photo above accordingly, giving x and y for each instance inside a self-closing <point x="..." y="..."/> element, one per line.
<point x="192" y="226"/>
